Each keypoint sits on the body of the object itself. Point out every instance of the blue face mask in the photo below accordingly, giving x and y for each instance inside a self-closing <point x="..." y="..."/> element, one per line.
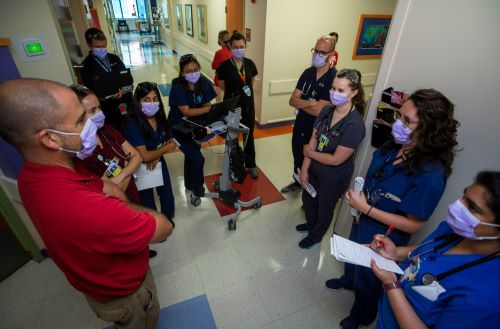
<point x="401" y="133"/>
<point x="238" y="52"/>
<point x="100" y="52"/>
<point x="88" y="137"/>
<point x="338" y="99"/>
<point x="193" y="77"/>
<point x="98" y="119"/>
<point x="318" y="60"/>
<point x="150" y="108"/>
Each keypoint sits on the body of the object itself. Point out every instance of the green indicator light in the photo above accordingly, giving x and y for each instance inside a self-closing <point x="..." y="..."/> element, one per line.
<point x="34" y="48"/>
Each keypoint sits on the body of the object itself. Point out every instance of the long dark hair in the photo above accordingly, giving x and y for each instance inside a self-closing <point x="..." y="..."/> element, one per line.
<point x="354" y="77"/>
<point x="183" y="61"/>
<point x="490" y="180"/>
<point x="436" y="133"/>
<point x="136" y="113"/>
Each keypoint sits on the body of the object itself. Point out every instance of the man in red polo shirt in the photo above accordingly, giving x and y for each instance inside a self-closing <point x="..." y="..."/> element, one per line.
<point x="93" y="234"/>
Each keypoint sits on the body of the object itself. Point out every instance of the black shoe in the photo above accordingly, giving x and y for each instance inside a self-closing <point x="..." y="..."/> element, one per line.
<point x="199" y="192"/>
<point x="338" y="283"/>
<point x="292" y="187"/>
<point x="152" y="253"/>
<point x="308" y="242"/>
<point x="302" y="228"/>
<point x="349" y="323"/>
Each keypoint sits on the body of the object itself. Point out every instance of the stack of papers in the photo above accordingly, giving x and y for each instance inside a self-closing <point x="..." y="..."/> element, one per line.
<point x="309" y="188"/>
<point x="351" y="252"/>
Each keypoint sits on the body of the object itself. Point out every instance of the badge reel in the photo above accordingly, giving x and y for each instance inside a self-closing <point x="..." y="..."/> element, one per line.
<point x="247" y="90"/>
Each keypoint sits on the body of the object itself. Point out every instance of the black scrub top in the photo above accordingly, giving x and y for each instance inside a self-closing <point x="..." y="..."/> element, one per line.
<point x="348" y="132"/>
<point x="233" y="83"/>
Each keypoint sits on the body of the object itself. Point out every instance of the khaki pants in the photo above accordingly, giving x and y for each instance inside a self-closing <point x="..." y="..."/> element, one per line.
<point x="138" y="310"/>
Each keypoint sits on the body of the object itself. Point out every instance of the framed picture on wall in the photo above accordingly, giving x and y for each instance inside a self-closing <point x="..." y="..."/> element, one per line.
<point x="189" y="20"/>
<point x="371" y="37"/>
<point x="166" y="15"/>
<point x="201" y="15"/>
<point x="178" y="15"/>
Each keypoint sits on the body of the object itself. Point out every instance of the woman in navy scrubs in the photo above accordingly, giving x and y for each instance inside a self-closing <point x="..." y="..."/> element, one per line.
<point x="148" y="131"/>
<point x="403" y="185"/>
<point x="451" y="279"/>
<point x="190" y="96"/>
<point x="329" y="157"/>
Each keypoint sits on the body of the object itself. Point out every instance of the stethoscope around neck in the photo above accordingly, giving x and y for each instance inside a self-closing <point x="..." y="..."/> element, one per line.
<point x="429" y="278"/>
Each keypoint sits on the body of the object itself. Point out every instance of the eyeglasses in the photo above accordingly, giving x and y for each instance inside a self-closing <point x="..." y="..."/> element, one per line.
<point x="186" y="58"/>
<point x="314" y="51"/>
<point x="405" y="119"/>
<point x="97" y="35"/>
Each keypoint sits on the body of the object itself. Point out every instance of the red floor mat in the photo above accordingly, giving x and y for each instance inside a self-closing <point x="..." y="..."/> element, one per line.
<point x="250" y="189"/>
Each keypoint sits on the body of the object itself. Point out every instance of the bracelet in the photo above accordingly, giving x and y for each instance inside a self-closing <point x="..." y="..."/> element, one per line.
<point x="392" y="285"/>
<point x="368" y="212"/>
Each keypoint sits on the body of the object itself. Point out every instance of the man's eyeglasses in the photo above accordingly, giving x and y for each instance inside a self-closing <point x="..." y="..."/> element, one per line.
<point x="314" y="51"/>
<point x="98" y="35"/>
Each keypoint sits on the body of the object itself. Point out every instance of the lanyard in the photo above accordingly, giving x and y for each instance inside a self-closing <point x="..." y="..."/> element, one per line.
<point x="241" y="72"/>
<point x="106" y="66"/>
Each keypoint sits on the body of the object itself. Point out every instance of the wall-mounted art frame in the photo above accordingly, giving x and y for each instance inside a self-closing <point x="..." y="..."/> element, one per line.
<point x="189" y="20"/>
<point x="178" y="15"/>
<point x="371" y="37"/>
<point x="201" y="16"/>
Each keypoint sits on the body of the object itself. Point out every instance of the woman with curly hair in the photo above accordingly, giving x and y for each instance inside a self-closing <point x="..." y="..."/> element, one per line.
<point x="403" y="185"/>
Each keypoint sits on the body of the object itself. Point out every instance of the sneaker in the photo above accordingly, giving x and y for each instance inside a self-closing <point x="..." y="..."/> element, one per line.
<point x="302" y="228"/>
<point x="308" y="242"/>
<point x="349" y="323"/>
<point x="292" y="187"/>
<point x="152" y="253"/>
<point x="254" y="173"/>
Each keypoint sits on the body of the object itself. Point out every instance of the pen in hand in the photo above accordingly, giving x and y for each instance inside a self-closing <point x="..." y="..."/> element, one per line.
<point x="386" y="235"/>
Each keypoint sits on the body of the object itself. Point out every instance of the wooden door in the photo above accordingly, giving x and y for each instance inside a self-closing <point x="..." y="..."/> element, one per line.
<point x="234" y="15"/>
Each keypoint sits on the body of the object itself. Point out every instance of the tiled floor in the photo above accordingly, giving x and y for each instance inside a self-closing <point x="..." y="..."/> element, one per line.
<point x="254" y="277"/>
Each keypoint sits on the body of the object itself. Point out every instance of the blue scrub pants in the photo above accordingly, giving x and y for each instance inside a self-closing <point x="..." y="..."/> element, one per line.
<point x="193" y="166"/>
<point x="367" y="287"/>
<point x="164" y="192"/>
<point x="302" y="131"/>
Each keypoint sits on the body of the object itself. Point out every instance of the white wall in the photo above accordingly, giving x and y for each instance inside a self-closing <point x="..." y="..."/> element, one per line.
<point x="183" y="43"/>
<point x="449" y="45"/>
<point x="27" y="17"/>
<point x="291" y="31"/>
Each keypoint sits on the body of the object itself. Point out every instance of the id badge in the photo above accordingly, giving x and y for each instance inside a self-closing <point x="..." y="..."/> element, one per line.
<point x="247" y="90"/>
<point x="123" y="108"/>
<point x="323" y="142"/>
<point x="114" y="168"/>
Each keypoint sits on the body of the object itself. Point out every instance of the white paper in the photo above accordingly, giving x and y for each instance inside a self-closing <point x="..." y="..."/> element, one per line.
<point x="145" y="178"/>
<point x="309" y="188"/>
<point x="348" y="251"/>
<point x="431" y="291"/>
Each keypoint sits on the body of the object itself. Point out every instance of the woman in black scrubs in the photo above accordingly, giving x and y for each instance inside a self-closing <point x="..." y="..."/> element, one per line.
<point x="328" y="158"/>
<point x="236" y="76"/>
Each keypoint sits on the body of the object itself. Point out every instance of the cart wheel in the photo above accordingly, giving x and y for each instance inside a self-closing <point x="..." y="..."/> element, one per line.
<point x="231" y="225"/>
<point x="217" y="186"/>
<point x="195" y="201"/>
<point x="257" y="205"/>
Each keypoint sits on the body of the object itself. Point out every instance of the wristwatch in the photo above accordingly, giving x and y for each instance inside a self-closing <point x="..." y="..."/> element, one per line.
<point x="392" y="285"/>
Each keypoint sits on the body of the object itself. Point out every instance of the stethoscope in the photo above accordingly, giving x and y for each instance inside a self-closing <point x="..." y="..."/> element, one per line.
<point x="415" y="260"/>
<point x="429" y="278"/>
<point x="329" y="118"/>
<point x="372" y="195"/>
<point x="124" y="155"/>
